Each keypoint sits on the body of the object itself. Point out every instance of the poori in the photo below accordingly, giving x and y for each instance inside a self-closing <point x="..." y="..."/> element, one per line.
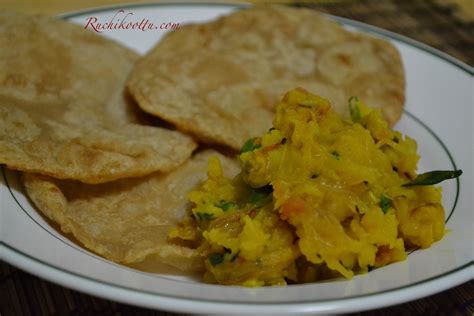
<point x="129" y="219"/>
<point x="63" y="108"/>
<point x="220" y="80"/>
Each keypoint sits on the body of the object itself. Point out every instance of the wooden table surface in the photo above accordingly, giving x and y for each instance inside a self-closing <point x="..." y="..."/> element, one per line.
<point x="24" y="294"/>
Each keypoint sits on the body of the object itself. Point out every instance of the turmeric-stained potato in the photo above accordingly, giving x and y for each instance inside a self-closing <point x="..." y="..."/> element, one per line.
<point x="317" y="197"/>
<point x="127" y="220"/>
<point x="63" y="111"/>
<point x="221" y="80"/>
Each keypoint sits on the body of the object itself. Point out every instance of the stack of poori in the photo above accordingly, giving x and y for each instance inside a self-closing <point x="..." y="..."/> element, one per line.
<point x="91" y="160"/>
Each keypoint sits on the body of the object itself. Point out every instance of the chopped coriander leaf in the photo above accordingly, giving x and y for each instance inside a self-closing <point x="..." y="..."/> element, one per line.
<point x="354" y="109"/>
<point x="259" y="196"/>
<point x="225" y="206"/>
<point x="205" y="216"/>
<point x="385" y="203"/>
<point x="434" y="177"/>
<point x="249" y="145"/>
<point x="335" y="154"/>
<point x="216" y="258"/>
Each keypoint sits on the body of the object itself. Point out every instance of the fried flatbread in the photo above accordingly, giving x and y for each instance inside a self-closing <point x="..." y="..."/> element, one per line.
<point x="63" y="110"/>
<point x="221" y="80"/>
<point x="127" y="220"/>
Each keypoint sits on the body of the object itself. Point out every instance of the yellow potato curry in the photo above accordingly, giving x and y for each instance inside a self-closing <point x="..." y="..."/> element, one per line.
<point x="318" y="197"/>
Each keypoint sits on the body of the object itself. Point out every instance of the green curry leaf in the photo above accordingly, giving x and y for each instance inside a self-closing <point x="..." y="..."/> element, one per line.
<point x="216" y="258"/>
<point x="258" y="197"/>
<point x="434" y="177"/>
<point x="205" y="216"/>
<point x="225" y="206"/>
<point x="249" y="145"/>
<point x="385" y="203"/>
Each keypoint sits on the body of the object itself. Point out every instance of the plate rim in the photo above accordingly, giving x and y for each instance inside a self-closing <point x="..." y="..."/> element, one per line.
<point x="422" y="288"/>
<point x="160" y="301"/>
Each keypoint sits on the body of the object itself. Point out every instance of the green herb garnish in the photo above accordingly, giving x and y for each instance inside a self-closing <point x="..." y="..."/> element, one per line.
<point x="434" y="177"/>
<point x="225" y="206"/>
<point x="335" y="154"/>
<point x="385" y="203"/>
<point x="216" y="258"/>
<point x="249" y="145"/>
<point x="205" y="216"/>
<point x="258" y="197"/>
<point x="354" y="109"/>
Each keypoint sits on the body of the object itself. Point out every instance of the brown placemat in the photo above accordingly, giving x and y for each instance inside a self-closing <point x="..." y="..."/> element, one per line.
<point x="436" y="23"/>
<point x="440" y="24"/>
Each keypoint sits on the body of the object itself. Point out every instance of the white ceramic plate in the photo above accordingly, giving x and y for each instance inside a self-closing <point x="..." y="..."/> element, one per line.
<point x="438" y="115"/>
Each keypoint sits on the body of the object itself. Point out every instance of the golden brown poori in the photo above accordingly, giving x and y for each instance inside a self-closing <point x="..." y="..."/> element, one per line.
<point x="128" y="219"/>
<point x="220" y="80"/>
<point x="63" y="110"/>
